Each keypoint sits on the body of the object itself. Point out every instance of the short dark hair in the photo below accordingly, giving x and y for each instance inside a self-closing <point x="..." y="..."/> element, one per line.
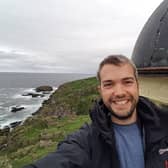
<point x="117" y="60"/>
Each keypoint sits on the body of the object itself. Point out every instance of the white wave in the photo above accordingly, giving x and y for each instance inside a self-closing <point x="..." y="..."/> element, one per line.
<point x="4" y="108"/>
<point x="21" y="92"/>
<point x="31" y="105"/>
<point x="21" y="96"/>
<point x="17" y="96"/>
<point x="2" y="115"/>
<point x="27" y="90"/>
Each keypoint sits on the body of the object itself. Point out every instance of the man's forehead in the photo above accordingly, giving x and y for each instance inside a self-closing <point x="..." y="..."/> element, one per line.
<point x="113" y="68"/>
<point x="109" y="72"/>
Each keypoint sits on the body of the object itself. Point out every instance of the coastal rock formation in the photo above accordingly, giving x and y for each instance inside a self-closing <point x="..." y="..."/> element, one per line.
<point x="17" y="108"/>
<point x="44" y="89"/>
<point x="40" y="133"/>
<point x="15" y="124"/>
<point x="33" y="95"/>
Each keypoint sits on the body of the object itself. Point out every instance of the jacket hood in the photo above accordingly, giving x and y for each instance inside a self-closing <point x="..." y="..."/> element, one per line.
<point x="101" y="120"/>
<point x="147" y="115"/>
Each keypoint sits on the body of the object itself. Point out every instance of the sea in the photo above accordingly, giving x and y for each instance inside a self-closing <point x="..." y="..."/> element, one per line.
<point x="14" y="87"/>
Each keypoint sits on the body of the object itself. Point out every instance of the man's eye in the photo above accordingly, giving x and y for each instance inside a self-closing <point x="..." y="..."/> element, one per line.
<point x="107" y="84"/>
<point x="129" y="82"/>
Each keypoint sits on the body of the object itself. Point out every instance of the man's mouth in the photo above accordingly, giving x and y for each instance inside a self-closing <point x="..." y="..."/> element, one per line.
<point x="120" y="102"/>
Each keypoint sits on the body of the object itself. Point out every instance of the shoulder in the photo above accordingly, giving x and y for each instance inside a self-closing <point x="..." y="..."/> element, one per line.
<point x="79" y="138"/>
<point x="158" y="113"/>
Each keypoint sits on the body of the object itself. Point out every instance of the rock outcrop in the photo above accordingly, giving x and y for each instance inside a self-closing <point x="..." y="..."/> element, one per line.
<point x="17" y="108"/>
<point x="33" y="94"/>
<point x="44" y="89"/>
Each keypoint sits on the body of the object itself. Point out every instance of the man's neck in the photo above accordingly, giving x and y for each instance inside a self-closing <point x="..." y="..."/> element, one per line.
<point x="127" y="121"/>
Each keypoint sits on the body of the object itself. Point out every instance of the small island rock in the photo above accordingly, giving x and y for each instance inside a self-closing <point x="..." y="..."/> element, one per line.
<point x="17" y="108"/>
<point x="44" y="89"/>
<point x="33" y="94"/>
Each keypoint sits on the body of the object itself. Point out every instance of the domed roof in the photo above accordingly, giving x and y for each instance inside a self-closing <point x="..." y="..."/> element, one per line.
<point x="151" y="48"/>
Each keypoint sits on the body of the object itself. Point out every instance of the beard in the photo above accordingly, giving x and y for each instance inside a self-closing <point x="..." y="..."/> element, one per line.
<point x="127" y="114"/>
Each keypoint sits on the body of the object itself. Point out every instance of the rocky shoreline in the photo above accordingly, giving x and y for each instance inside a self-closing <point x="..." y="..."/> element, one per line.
<point x="60" y="102"/>
<point x="66" y="110"/>
<point x="40" y="91"/>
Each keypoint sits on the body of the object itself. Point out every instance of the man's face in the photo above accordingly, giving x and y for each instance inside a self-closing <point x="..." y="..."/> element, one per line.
<point x="119" y="91"/>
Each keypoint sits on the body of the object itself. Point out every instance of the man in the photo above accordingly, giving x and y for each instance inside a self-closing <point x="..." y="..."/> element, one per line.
<point x="125" y="132"/>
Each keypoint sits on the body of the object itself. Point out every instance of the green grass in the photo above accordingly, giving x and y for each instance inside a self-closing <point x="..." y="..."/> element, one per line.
<point x="26" y="146"/>
<point x="73" y="97"/>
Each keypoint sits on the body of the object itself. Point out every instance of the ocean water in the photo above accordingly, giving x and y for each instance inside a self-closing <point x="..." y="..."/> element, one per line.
<point x="14" y="85"/>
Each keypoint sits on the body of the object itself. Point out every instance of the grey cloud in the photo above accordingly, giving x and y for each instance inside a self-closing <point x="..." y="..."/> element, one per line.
<point x="63" y="35"/>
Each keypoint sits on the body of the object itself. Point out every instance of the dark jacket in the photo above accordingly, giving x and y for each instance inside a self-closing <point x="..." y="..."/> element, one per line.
<point x="93" y="146"/>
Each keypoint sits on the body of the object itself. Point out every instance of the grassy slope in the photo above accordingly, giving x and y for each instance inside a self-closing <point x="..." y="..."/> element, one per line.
<point x="74" y="97"/>
<point x="40" y="134"/>
<point x="37" y="138"/>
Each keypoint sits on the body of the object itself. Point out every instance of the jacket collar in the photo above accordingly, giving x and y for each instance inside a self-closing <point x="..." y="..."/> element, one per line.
<point x="101" y="120"/>
<point x="147" y="115"/>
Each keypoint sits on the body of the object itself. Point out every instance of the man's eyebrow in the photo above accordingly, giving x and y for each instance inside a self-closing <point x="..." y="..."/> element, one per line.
<point x="107" y="81"/>
<point x="128" y="78"/>
<point x="123" y="79"/>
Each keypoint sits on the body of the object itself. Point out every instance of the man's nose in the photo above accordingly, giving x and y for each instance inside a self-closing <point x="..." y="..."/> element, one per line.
<point x="119" y="90"/>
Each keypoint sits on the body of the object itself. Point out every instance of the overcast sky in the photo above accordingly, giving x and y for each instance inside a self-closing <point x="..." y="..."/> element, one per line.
<point x="68" y="35"/>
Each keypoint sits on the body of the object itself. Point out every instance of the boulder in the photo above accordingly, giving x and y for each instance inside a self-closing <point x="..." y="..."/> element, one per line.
<point x="17" y="108"/>
<point x="33" y="95"/>
<point x="15" y="124"/>
<point x="44" y="89"/>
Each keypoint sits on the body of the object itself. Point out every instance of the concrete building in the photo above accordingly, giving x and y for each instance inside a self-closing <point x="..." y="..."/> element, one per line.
<point x="150" y="55"/>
